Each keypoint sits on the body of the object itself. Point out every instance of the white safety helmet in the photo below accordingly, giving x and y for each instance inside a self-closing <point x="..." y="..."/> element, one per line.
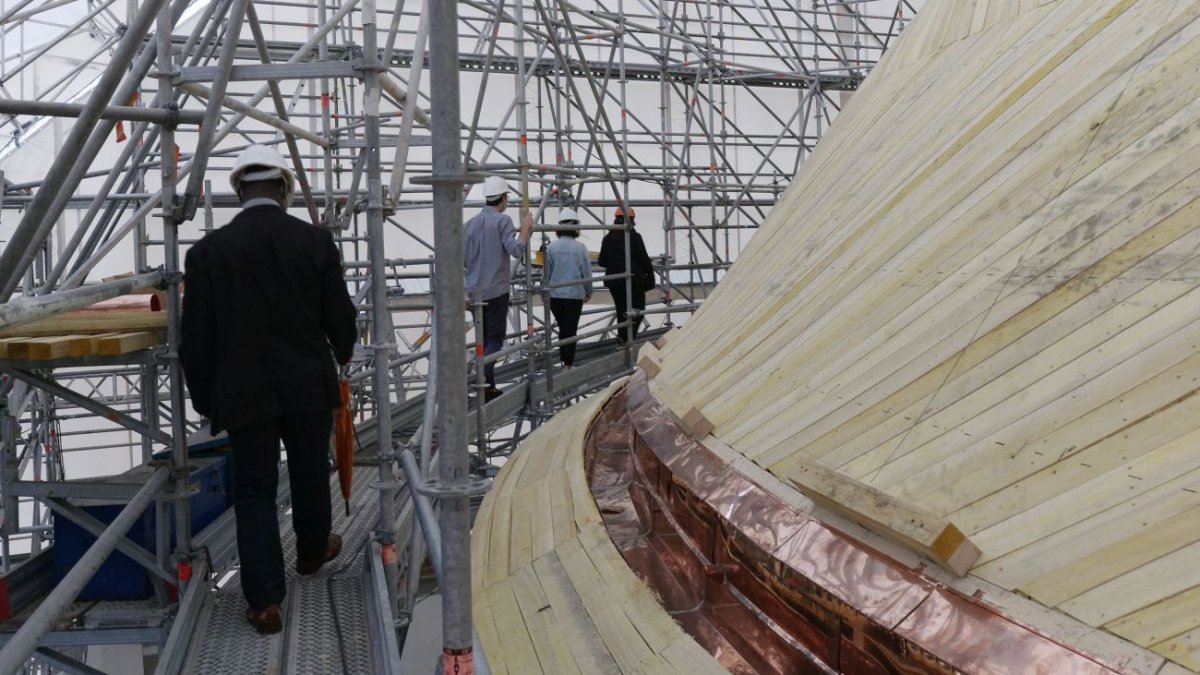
<point x="494" y="186"/>
<point x="567" y="217"/>
<point x="260" y="162"/>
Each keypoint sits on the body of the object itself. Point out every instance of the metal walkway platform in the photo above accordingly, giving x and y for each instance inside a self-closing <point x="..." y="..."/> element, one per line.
<point x="325" y="615"/>
<point x="328" y="622"/>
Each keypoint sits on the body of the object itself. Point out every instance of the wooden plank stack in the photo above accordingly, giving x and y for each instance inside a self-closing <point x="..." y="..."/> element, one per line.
<point x="551" y="592"/>
<point x="981" y="296"/>
<point x="63" y="346"/>
<point x="119" y="326"/>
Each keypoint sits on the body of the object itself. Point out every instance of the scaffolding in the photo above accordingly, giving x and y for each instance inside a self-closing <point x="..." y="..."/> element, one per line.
<point x="121" y="125"/>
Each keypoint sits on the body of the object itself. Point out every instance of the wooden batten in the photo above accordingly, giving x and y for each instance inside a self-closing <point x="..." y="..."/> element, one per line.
<point x="887" y="516"/>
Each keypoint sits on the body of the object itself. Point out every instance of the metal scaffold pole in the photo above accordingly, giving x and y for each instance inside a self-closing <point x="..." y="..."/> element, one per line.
<point x="169" y="175"/>
<point x="449" y="294"/>
<point x="382" y="337"/>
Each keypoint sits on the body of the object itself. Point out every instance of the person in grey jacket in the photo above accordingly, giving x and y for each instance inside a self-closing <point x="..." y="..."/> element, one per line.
<point x="490" y="240"/>
<point x="567" y="261"/>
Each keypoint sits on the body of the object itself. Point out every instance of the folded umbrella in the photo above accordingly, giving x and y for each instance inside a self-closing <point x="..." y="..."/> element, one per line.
<point x="343" y="443"/>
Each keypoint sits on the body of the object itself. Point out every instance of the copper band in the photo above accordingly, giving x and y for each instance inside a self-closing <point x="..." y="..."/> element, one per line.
<point x="768" y="588"/>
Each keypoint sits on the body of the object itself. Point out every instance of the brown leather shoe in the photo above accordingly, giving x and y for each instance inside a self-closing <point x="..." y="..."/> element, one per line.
<point x="332" y="548"/>
<point x="267" y="620"/>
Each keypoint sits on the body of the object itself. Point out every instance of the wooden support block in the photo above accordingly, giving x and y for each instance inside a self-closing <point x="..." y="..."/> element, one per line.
<point x="885" y="515"/>
<point x="696" y="424"/>
<point x="649" y="360"/>
<point x="125" y="343"/>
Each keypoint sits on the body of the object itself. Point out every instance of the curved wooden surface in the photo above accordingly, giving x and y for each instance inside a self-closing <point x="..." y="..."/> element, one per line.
<point x="551" y="592"/>
<point x="981" y="296"/>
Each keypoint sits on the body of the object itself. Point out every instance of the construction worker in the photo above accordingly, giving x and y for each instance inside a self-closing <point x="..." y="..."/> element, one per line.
<point x="265" y="314"/>
<point x="567" y="261"/>
<point x="490" y="239"/>
<point x="641" y="279"/>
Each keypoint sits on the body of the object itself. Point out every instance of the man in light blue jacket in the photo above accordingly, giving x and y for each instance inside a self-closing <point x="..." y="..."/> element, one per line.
<point x="489" y="240"/>
<point x="569" y="276"/>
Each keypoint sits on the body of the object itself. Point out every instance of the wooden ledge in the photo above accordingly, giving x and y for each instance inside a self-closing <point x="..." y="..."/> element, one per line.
<point x="650" y="360"/>
<point x="885" y="515"/>
<point x="696" y="424"/>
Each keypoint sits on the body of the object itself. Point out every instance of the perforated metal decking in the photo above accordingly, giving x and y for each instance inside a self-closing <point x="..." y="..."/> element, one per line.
<point x="325" y="615"/>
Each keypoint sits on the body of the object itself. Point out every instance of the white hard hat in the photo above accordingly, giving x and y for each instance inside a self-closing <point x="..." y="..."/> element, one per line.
<point x="259" y="162"/>
<point x="567" y="216"/>
<point x="494" y="186"/>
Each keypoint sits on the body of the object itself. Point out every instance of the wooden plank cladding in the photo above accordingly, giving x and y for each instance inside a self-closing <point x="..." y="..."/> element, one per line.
<point x="551" y="593"/>
<point x="980" y="297"/>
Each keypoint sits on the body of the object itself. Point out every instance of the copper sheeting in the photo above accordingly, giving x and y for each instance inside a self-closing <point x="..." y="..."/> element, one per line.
<point x="769" y="589"/>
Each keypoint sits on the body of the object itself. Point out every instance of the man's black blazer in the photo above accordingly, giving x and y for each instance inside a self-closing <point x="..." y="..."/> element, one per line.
<point x="265" y="313"/>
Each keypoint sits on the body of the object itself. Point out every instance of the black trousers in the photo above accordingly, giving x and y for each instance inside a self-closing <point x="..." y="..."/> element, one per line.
<point x="255" y="484"/>
<point x="618" y="294"/>
<point x="495" y="319"/>
<point x="566" y="313"/>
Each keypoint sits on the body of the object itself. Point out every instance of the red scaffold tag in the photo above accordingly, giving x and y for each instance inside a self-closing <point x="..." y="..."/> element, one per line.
<point x="388" y="554"/>
<point x="455" y="663"/>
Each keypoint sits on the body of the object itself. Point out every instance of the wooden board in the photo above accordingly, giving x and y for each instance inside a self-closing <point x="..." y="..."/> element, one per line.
<point x="41" y="348"/>
<point x="887" y="516"/>
<point x="76" y="323"/>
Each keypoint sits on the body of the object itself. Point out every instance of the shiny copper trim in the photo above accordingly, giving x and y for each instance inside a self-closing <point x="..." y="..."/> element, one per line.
<point x="768" y="588"/>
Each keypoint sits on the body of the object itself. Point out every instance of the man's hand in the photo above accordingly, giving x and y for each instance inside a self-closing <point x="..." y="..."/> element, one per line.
<point x="526" y="225"/>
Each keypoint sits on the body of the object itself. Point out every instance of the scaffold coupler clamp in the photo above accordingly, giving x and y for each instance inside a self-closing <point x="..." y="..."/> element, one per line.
<point x="169" y="278"/>
<point x="172" y="110"/>
<point x="464" y="178"/>
<point x="467" y="486"/>
<point x="178" y="473"/>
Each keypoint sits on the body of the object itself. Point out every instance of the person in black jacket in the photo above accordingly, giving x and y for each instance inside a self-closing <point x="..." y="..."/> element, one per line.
<point x="612" y="259"/>
<point x="265" y="314"/>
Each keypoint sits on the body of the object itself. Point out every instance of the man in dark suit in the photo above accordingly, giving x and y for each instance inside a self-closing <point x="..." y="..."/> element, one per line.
<point x="265" y="313"/>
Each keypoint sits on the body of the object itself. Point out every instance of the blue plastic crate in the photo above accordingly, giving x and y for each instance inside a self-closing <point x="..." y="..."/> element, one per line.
<point x="120" y="578"/>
